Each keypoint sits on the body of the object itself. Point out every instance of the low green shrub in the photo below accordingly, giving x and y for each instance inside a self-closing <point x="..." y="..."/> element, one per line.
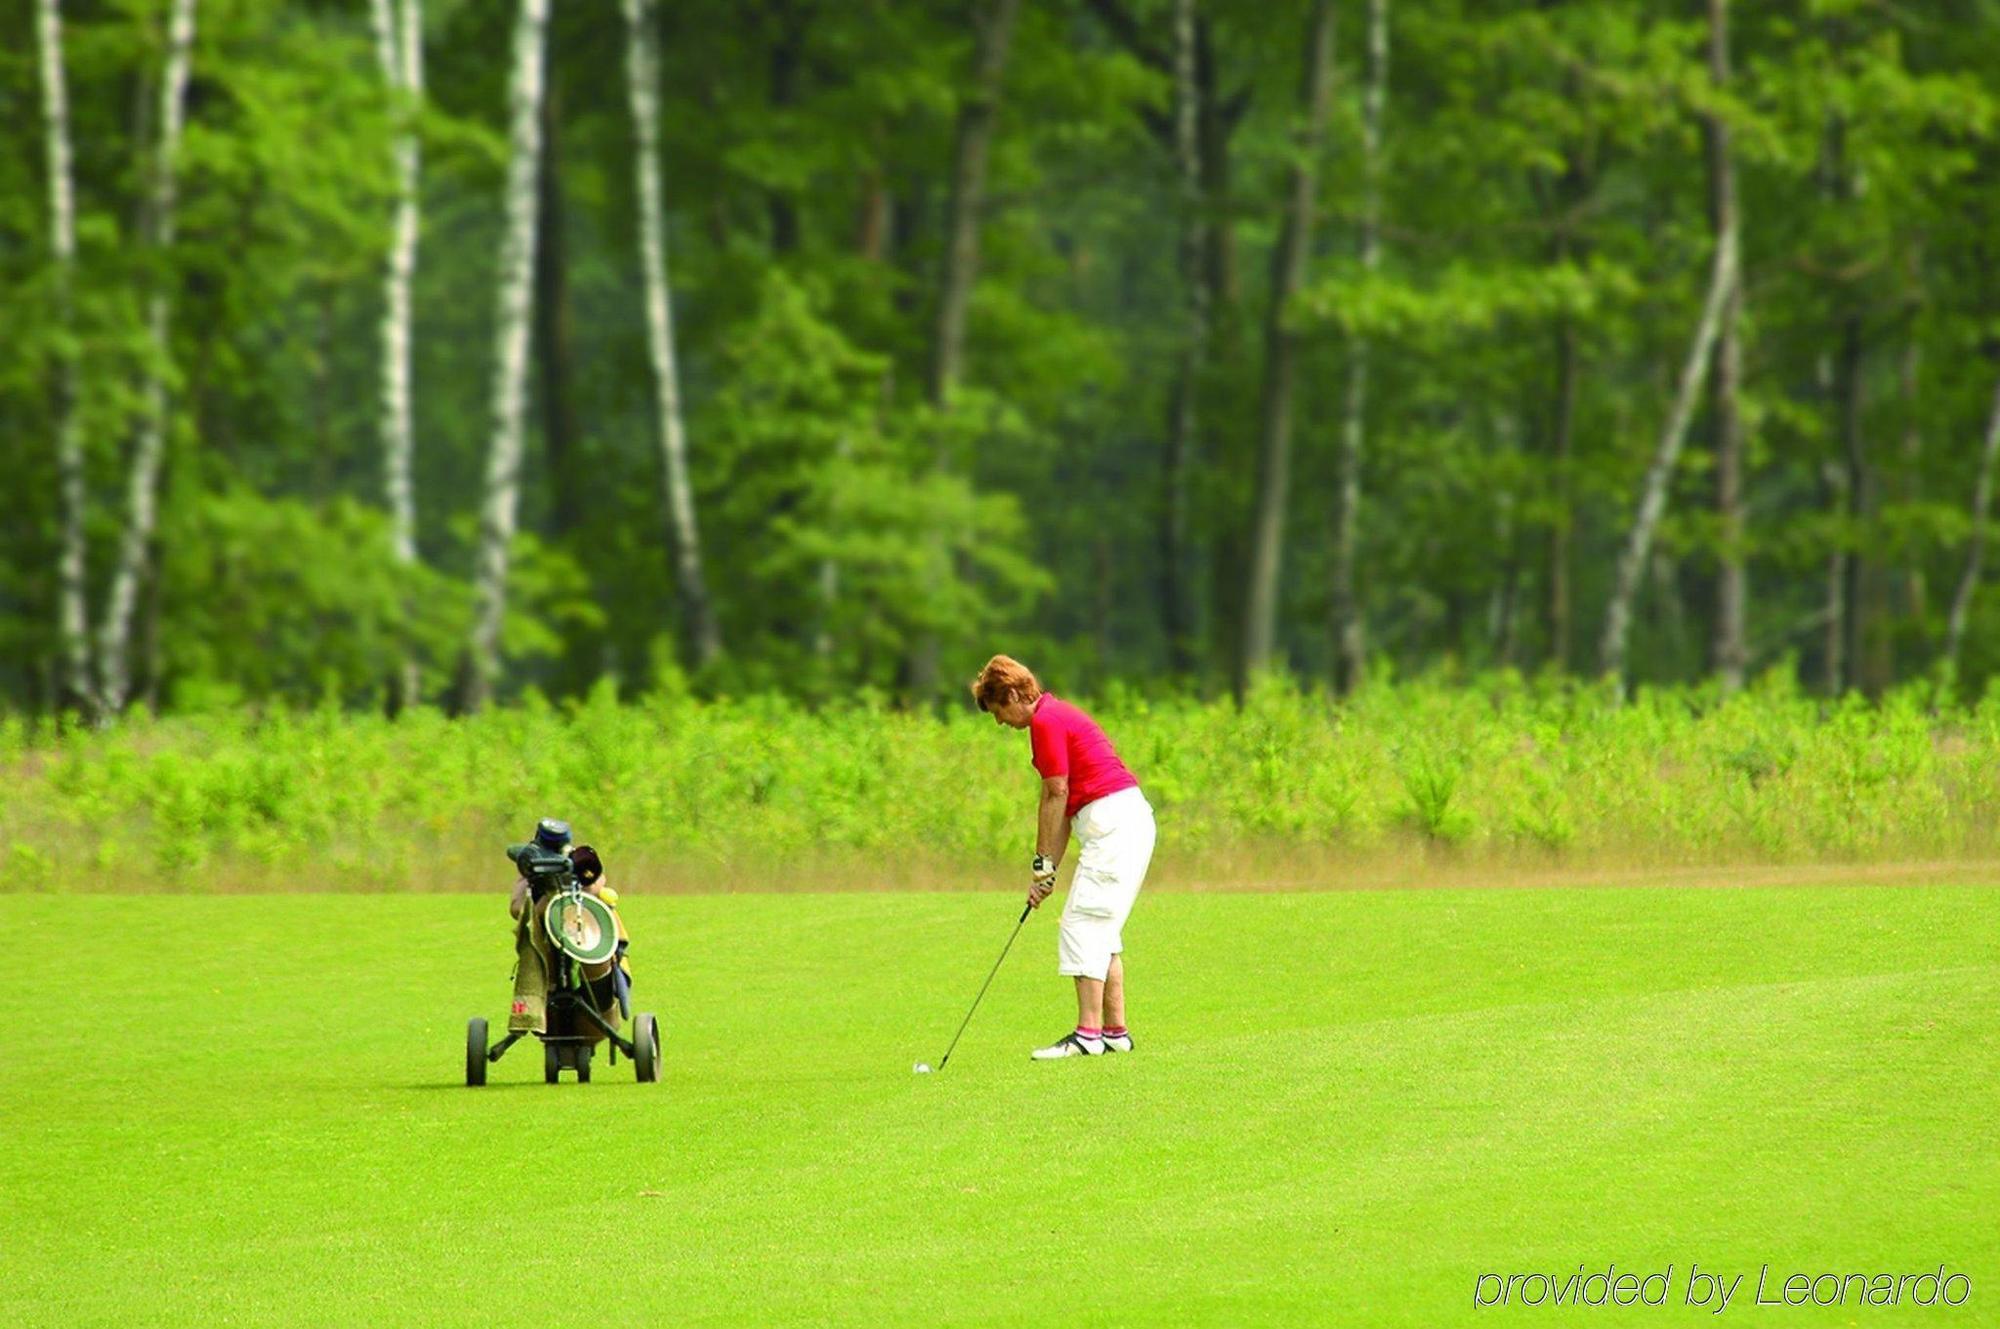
<point x="760" y="791"/>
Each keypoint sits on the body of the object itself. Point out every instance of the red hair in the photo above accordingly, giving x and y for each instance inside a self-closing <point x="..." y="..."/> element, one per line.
<point x="1005" y="679"/>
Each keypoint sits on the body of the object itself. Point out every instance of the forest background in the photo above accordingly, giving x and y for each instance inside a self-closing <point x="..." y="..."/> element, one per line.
<point x="356" y="347"/>
<point x="383" y="353"/>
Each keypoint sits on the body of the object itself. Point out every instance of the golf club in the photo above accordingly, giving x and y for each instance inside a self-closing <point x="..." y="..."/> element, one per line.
<point x="1025" y="911"/>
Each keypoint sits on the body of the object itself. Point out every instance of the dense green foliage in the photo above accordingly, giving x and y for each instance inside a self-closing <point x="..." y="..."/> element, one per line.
<point x="1344" y="1108"/>
<point x="761" y="793"/>
<point x="1543" y="179"/>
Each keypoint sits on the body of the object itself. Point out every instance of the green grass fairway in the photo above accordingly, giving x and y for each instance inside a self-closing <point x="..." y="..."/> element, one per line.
<point x="1344" y="1108"/>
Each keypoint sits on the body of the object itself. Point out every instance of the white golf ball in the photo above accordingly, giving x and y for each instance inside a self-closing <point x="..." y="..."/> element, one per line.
<point x="921" y="1068"/>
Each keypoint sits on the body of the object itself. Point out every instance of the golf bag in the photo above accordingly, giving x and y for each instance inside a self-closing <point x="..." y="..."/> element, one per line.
<point x="571" y="942"/>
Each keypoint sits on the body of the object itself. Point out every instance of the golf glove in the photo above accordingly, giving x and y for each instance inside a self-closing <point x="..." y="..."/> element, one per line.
<point x="1045" y="869"/>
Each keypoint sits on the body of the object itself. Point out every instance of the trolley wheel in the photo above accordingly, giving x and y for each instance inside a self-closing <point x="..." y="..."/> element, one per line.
<point x="475" y="1051"/>
<point x="583" y="1064"/>
<point x="551" y="1062"/>
<point x="646" y="1048"/>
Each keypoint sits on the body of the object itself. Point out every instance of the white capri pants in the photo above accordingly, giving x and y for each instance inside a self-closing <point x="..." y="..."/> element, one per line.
<point x="1115" y="841"/>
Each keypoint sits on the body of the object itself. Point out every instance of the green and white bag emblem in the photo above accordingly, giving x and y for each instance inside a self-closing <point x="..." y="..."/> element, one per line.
<point x="581" y="927"/>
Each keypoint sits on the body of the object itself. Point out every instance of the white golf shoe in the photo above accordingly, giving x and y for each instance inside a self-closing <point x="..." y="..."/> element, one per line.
<point x="1070" y="1045"/>
<point x="1118" y="1042"/>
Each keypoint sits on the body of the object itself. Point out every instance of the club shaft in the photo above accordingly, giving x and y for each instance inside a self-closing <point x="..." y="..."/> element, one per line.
<point x="987" y="984"/>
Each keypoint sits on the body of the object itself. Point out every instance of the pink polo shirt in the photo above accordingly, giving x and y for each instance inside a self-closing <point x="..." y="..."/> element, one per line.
<point x="1068" y="742"/>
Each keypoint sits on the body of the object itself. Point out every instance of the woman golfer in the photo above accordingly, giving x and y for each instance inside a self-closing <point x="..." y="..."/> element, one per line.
<point x="1084" y="783"/>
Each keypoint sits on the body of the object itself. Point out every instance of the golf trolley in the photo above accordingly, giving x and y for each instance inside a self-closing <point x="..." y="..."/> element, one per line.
<point x="572" y="932"/>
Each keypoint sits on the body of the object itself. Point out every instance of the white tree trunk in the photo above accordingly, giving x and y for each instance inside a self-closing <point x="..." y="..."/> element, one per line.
<point x="510" y="352"/>
<point x="1730" y="648"/>
<point x="1975" y="554"/>
<point x="1907" y="370"/>
<point x="143" y="491"/>
<point x="399" y="41"/>
<point x="1288" y="265"/>
<point x="72" y="611"/>
<point x="824" y="643"/>
<point x="1833" y="488"/>
<point x="643" y="76"/>
<point x="978" y="111"/>
<point x="1183" y="423"/>
<point x="1350" y="642"/>
<point x="1653" y="493"/>
<point x="972" y="142"/>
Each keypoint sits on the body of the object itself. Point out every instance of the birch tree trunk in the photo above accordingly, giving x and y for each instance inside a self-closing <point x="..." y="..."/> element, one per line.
<point x="977" y="113"/>
<point x="1833" y="492"/>
<point x="1562" y="524"/>
<point x="787" y="61"/>
<point x="72" y="602"/>
<point x="1571" y="191"/>
<point x="143" y="489"/>
<point x="642" y="73"/>
<point x="1730" y="650"/>
<point x="1176" y="603"/>
<point x="1915" y="589"/>
<point x="510" y="353"/>
<point x="1218" y="118"/>
<point x="1975" y="553"/>
<point x="1858" y="570"/>
<point x="1196" y="135"/>
<point x="1633" y="558"/>
<point x="1504" y="609"/>
<point x="552" y="333"/>
<point x="399" y="43"/>
<point x="1288" y="264"/>
<point x="1850" y="571"/>
<point x="824" y="643"/>
<point x="1349" y="622"/>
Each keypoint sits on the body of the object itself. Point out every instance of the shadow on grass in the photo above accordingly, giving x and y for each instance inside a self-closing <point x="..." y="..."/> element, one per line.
<point x="493" y="1086"/>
